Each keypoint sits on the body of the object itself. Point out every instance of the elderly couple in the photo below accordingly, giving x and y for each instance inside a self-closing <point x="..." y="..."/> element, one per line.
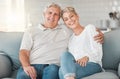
<point x="53" y="51"/>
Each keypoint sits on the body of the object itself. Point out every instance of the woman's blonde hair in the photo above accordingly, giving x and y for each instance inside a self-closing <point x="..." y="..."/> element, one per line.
<point x="68" y="9"/>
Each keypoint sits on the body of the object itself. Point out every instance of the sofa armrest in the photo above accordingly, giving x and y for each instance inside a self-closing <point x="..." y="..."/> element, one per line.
<point x="5" y="65"/>
<point x="119" y="70"/>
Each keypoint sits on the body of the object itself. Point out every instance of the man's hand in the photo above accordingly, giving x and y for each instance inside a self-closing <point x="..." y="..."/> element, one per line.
<point x="83" y="61"/>
<point x="30" y="70"/>
<point x="99" y="37"/>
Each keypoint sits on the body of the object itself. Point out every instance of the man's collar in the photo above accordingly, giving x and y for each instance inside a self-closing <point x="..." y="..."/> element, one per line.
<point x="41" y="26"/>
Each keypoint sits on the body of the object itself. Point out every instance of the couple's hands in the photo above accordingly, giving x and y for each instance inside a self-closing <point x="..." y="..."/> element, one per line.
<point x="99" y="37"/>
<point x="30" y="71"/>
<point x="83" y="61"/>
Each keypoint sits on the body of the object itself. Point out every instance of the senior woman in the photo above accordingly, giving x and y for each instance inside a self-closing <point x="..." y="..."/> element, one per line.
<point x="84" y="53"/>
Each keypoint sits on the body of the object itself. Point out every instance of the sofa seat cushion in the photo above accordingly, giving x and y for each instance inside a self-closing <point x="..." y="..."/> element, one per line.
<point x="14" y="74"/>
<point x="103" y="75"/>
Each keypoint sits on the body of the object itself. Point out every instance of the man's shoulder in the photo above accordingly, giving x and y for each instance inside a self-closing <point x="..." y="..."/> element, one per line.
<point x="32" y="29"/>
<point x="62" y="26"/>
<point x="65" y="28"/>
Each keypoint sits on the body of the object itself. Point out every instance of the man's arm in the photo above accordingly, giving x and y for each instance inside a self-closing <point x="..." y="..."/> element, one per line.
<point x="24" y="59"/>
<point x="99" y="37"/>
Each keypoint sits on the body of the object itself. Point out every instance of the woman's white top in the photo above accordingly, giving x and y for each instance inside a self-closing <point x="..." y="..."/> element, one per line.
<point x="85" y="45"/>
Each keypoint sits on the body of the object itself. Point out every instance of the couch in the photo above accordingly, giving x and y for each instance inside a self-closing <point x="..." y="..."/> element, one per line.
<point x="9" y="51"/>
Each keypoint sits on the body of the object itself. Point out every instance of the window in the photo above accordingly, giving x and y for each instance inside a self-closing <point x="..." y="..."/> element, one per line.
<point x="12" y="15"/>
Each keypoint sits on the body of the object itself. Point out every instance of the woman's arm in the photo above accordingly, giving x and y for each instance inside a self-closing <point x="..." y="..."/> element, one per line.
<point x="96" y="47"/>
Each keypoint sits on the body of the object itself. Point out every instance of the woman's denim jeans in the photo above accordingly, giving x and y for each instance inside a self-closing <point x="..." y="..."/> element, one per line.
<point x="69" y="67"/>
<point x="44" y="71"/>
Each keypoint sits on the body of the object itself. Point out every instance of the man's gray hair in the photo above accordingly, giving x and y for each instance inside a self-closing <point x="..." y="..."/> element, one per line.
<point x="53" y="5"/>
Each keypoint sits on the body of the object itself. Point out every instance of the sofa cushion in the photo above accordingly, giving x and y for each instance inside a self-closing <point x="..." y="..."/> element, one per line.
<point x="14" y="74"/>
<point x="10" y="44"/>
<point x="103" y="75"/>
<point x="111" y="49"/>
<point x="5" y="66"/>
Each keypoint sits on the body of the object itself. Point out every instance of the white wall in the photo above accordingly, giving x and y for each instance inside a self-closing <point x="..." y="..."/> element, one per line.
<point x="3" y="13"/>
<point x="90" y="11"/>
<point x="93" y="11"/>
<point x="34" y="8"/>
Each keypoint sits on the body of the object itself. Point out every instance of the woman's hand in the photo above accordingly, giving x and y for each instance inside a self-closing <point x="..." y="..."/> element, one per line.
<point x="30" y="71"/>
<point x="83" y="61"/>
<point x="99" y="37"/>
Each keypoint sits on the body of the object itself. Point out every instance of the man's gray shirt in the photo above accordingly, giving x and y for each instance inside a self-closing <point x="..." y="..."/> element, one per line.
<point x="46" y="45"/>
